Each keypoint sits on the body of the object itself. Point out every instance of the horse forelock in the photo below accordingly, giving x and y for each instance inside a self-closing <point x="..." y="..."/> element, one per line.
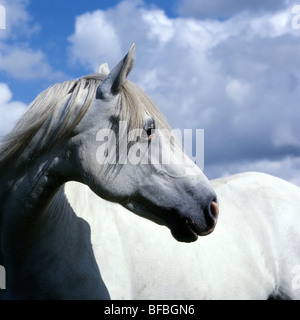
<point x="135" y="102"/>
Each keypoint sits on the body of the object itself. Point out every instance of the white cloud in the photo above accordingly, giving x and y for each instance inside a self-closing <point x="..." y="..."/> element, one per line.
<point x="207" y="9"/>
<point x="238" y="79"/>
<point x="17" y="58"/>
<point x="24" y="63"/>
<point x="10" y="110"/>
<point x="285" y="136"/>
<point x="238" y="91"/>
<point x="94" y="36"/>
<point x="273" y="25"/>
<point x="159" y="26"/>
<point x="18" y="20"/>
<point x="287" y="168"/>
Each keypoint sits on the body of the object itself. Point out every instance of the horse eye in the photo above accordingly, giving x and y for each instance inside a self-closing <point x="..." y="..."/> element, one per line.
<point x="149" y="132"/>
<point x="149" y="127"/>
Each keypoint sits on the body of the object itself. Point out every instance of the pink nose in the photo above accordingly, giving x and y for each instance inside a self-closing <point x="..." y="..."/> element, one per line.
<point x="214" y="209"/>
<point x="214" y="213"/>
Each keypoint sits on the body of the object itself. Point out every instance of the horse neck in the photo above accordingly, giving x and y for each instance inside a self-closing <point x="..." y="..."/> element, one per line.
<point x="26" y="189"/>
<point x="42" y="238"/>
<point x="26" y="192"/>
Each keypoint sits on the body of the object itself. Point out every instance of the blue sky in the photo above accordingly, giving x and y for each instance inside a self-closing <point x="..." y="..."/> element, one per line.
<point x="53" y="22"/>
<point x="229" y="67"/>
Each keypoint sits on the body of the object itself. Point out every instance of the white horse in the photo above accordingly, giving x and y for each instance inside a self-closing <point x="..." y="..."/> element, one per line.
<point x="252" y="254"/>
<point x="70" y="170"/>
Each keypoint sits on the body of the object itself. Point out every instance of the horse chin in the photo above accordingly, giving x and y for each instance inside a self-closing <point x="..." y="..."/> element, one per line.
<point x="185" y="233"/>
<point x="182" y="229"/>
<point x="187" y="236"/>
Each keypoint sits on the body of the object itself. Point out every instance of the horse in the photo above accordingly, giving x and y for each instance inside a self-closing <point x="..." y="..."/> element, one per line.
<point x="68" y="134"/>
<point x="88" y="152"/>
<point x="253" y="253"/>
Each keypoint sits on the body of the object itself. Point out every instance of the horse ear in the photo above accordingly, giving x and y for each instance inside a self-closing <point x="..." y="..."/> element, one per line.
<point x="112" y="84"/>
<point x="104" y="69"/>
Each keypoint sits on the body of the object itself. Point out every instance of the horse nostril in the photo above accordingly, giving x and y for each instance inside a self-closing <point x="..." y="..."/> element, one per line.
<point x="214" y="209"/>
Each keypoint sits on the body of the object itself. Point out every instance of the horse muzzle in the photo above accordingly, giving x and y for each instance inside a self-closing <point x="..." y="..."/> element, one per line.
<point x="188" y="230"/>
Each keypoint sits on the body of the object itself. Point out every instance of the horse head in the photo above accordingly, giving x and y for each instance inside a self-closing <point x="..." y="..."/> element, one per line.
<point x="119" y="150"/>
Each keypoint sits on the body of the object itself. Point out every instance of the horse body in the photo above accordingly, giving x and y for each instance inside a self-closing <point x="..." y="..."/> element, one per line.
<point x="251" y="254"/>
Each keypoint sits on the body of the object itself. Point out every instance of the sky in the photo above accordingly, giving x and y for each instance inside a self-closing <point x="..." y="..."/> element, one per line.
<point x="229" y="67"/>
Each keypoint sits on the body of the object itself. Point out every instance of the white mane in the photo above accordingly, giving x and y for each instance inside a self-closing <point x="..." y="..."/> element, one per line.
<point x="45" y="108"/>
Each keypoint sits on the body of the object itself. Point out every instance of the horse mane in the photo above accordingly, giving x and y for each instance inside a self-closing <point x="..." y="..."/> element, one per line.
<point x="50" y="106"/>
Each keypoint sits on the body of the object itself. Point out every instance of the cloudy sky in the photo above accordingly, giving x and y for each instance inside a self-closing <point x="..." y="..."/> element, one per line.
<point x="229" y="67"/>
